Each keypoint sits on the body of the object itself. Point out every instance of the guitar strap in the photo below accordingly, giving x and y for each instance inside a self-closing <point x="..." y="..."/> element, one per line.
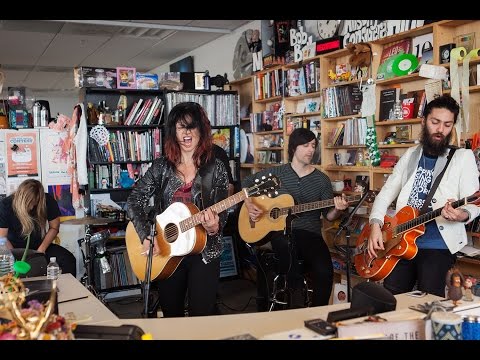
<point x="424" y="208"/>
<point x="206" y="173"/>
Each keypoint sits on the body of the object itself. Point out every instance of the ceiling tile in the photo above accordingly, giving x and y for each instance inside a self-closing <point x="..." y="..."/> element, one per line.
<point x="22" y="47"/>
<point x="70" y="50"/>
<point x="42" y="79"/>
<point x="13" y="77"/>
<point x="220" y="24"/>
<point x="119" y="51"/>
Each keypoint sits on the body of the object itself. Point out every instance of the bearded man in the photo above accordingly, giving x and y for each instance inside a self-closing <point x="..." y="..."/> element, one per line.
<point x="410" y="184"/>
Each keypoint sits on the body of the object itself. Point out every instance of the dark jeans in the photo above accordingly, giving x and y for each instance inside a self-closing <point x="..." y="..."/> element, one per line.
<point x="427" y="269"/>
<point x="316" y="258"/>
<point x="200" y="279"/>
<point x="65" y="259"/>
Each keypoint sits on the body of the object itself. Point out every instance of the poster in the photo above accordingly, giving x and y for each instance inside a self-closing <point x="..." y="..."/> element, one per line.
<point x="62" y="194"/>
<point x="22" y="155"/>
<point x="54" y="157"/>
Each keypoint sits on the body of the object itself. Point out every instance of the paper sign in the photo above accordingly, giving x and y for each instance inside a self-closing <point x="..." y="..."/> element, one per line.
<point x="393" y="330"/>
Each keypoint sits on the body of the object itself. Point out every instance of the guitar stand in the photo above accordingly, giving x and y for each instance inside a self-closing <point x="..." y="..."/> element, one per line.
<point x="87" y="278"/>
<point x="148" y="273"/>
<point x="280" y="292"/>
<point x="344" y="226"/>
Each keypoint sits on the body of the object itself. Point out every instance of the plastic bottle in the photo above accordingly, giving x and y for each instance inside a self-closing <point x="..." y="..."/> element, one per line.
<point x="6" y="258"/>
<point x="53" y="270"/>
<point x="206" y="81"/>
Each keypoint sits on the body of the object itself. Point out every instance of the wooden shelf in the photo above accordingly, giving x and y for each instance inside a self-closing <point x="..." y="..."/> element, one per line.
<point x="392" y="146"/>
<point x="471" y="89"/>
<point x="304" y="96"/>
<point x="398" y="122"/>
<point x="270" y="99"/>
<point x="340" y="118"/>
<point x="399" y="79"/>
<point x="241" y="81"/>
<point x="305" y="114"/>
<point x="473" y="61"/>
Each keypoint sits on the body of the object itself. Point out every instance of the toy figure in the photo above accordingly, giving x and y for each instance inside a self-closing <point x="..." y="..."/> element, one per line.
<point x="124" y="78"/>
<point x="454" y="281"/>
<point x="468" y="294"/>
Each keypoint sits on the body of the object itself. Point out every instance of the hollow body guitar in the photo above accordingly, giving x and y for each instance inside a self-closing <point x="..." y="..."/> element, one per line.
<point x="400" y="233"/>
<point x="275" y="212"/>
<point x="179" y="232"/>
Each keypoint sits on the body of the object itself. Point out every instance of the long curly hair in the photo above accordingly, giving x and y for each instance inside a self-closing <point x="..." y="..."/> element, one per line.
<point x="192" y="116"/>
<point x="30" y="206"/>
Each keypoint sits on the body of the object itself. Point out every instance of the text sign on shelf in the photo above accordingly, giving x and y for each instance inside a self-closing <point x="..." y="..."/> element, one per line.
<point x="393" y="330"/>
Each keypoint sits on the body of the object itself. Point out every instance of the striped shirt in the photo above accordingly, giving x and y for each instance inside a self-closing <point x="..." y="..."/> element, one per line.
<point x="312" y="187"/>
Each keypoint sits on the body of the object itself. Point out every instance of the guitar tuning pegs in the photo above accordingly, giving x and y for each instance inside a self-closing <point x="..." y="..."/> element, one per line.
<point x="263" y="177"/>
<point x="256" y="180"/>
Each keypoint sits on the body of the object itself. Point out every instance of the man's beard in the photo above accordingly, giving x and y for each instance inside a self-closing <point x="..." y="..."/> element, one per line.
<point x="432" y="147"/>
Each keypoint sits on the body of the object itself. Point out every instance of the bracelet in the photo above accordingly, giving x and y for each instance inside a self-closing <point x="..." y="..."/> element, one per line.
<point x="50" y="228"/>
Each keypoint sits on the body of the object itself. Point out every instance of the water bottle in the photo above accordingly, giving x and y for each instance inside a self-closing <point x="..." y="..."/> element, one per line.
<point x="53" y="270"/>
<point x="6" y="258"/>
<point x="37" y="107"/>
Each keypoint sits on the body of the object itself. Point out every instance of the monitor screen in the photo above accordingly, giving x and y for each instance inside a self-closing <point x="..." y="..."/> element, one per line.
<point x="183" y="65"/>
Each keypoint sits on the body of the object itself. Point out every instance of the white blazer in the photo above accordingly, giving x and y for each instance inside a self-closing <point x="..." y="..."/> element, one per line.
<point x="459" y="181"/>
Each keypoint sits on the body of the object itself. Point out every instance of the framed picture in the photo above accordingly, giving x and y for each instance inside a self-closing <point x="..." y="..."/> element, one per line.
<point x="228" y="259"/>
<point x="126" y="78"/>
<point x="262" y="157"/>
<point x="199" y="81"/>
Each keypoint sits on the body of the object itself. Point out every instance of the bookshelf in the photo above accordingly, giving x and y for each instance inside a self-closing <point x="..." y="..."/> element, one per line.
<point x="223" y="111"/>
<point x="131" y="145"/>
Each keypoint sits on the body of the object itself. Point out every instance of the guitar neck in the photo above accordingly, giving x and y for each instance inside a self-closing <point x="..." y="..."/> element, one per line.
<point x="315" y="205"/>
<point x="427" y="217"/>
<point x="219" y="207"/>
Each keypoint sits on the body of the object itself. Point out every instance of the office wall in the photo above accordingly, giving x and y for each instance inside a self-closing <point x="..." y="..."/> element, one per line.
<point x="216" y="56"/>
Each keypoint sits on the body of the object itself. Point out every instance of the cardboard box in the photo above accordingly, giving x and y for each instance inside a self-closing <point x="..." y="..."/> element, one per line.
<point x="95" y="77"/>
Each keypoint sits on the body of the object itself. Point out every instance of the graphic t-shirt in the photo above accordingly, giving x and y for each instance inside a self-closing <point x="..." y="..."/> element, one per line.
<point x="432" y="239"/>
<point x="183" y="194"/>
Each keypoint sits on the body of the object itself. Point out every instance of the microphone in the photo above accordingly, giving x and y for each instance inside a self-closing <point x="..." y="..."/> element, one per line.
<point x="347" y="219"/>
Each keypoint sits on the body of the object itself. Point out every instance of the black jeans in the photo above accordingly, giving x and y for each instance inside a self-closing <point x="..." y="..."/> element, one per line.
<point x="200" y="279"/>
<point x="427" y="269"/>
<point x="316" y="257"/>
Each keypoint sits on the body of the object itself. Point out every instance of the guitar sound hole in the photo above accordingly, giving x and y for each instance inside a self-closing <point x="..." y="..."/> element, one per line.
<point x="275" y="213"/>
<point x="171" y="233"/>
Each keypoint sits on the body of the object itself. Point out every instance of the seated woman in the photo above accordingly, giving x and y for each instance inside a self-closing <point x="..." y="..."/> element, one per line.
<point x="26" y="213"/>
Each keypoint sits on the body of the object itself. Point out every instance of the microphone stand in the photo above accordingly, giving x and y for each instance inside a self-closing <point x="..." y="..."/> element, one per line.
<point x="148" y="267"/>
<point x="345" y="226"/>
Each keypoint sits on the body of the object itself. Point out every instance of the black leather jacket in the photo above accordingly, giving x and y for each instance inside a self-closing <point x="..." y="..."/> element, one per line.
<point x="161" y="182"/>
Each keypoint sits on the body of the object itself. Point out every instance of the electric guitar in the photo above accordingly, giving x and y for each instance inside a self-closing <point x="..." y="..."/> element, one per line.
<point x="275" y="212"/>
<point x="400" y="233"/>
<point x="179" y="231"/>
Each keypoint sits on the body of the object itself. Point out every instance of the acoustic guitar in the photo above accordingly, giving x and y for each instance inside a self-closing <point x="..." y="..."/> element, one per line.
<point x="400" y="233"/>
<point x="275" y="212"/>
<point x="179" y="231"/>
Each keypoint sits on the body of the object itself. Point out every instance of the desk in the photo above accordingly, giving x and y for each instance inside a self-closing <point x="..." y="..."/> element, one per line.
<point x="75" y="298"/>
<point x="256" y="324"/>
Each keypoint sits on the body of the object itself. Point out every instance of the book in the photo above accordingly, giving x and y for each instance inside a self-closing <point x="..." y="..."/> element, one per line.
<point x="389" y="53"/>
<point x="387" y="101"/>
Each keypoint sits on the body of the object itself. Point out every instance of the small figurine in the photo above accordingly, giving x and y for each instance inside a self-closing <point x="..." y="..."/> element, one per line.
<point x="468" y="294"/>
<point x="454" y="281"/>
